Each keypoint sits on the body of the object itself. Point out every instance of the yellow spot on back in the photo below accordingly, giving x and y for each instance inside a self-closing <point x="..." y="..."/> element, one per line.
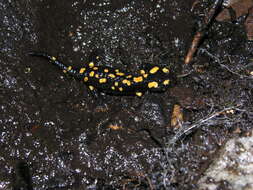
<point x="102" y="80"/>
<point x="82" y="70"/>
<point x="91" y="87"/>
<point x="86" y="79"/>
<point x="154" y="70"/>
<point x="113" y="88"/>
<point x="138" y="94"/>
<point x="153" y="84"/>
<point x="106" y="70"/>
<point x="53" y="58"/>
<point x="145" y="75"/>
<point x="142" y="72"/>
<point x="138" y="79"/>
<point x="125" y="81"/>
<point x="120" y="74"/>
<point x="92" y="74"/>
<point x="97" y="76"/>
<point x="166" y="82"/>
<point x="116" y="83"/>
<point x="69" y="68"/>
<point x="165" y="70"/>
<point x="95" y="68"/>
<point x="91" y="64"/>
<point x="116" y="70"/>
<point x="120" y="89"/>
<point x="111" y="75"/>
<point x="129" y="76"/>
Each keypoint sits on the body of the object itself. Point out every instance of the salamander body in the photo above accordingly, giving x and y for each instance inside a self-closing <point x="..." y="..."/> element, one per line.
<point x="115" y="81"/>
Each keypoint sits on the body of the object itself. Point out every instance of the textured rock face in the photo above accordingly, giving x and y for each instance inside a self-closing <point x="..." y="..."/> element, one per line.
<point x="234" y="166"/>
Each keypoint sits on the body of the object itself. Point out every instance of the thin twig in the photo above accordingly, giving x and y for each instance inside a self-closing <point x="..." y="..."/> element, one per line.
<point x="201" y="122"/>
<point x="217" y="59"/>
<point x="202" y="31"/>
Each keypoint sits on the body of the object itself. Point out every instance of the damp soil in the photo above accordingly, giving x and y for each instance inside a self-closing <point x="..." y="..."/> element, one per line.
<point x="56" y="134"/>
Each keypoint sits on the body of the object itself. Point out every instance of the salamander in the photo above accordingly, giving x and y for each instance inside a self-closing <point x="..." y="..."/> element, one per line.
<point x="114" y="81"/>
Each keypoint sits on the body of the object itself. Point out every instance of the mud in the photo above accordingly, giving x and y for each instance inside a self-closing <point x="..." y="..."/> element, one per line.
<point x="56" y="134"/>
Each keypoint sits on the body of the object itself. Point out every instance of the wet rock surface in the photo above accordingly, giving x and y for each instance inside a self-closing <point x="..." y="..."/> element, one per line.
<point x="233" y="167"/>
<point x="56" y="134"/>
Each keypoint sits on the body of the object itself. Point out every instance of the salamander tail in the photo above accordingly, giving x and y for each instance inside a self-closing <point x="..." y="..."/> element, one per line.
<point x="67" y="69"/>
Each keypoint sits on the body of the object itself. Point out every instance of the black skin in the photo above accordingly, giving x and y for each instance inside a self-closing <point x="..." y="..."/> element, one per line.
<point x="113" y="81"/>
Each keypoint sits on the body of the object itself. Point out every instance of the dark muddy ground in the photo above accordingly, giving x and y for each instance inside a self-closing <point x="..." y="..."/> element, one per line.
<point x="55" y="134"/>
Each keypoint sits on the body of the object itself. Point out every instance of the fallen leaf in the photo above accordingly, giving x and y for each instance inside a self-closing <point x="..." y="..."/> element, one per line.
<point x="249" y="24"/>
<point x="115" y="127"/>
<point x="240" y="8"/>
<point x="177" y="117"/>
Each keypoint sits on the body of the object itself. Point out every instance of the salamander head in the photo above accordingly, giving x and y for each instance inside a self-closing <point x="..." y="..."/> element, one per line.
<point x="159" y="79"/>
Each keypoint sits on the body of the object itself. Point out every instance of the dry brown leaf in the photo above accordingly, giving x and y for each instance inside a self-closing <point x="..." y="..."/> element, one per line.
<point x="177" y="117"/>
<point x="240" y="7"/>
<point x="249" y="24"/>
<point x="115" y="127"/>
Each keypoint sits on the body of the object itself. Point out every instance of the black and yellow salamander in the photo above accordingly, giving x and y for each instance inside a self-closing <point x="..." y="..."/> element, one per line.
<point x="114" y="81"/>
